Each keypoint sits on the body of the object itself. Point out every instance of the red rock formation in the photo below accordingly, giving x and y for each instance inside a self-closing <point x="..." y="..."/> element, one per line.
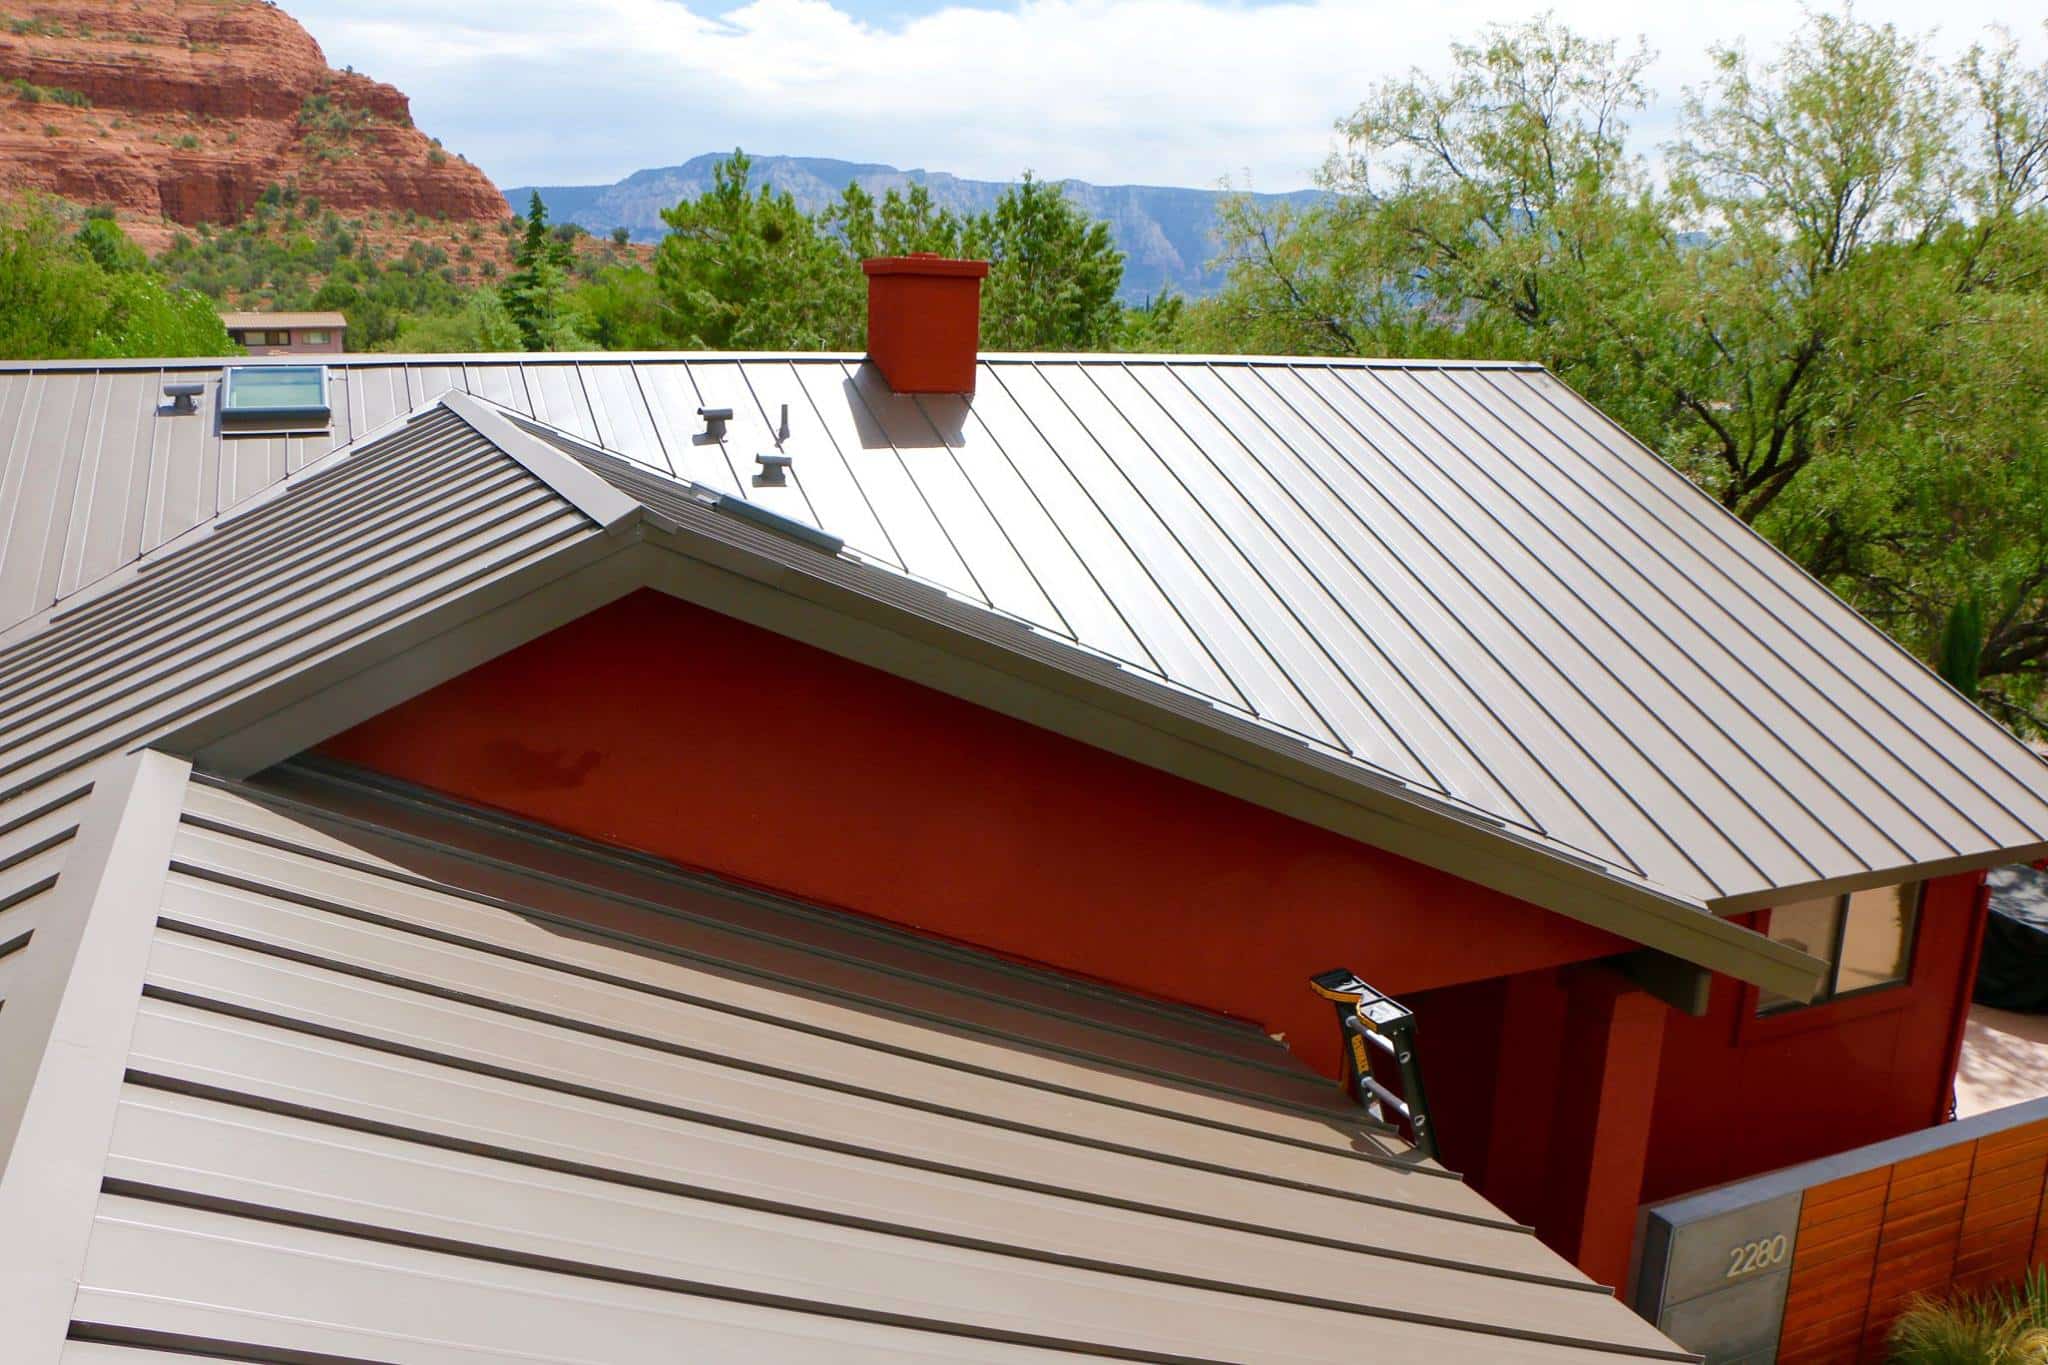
<point x="185" y="111"/>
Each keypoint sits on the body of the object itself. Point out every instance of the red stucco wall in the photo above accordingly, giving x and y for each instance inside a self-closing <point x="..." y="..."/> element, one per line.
<point x="1738" y="1095"/>
<point x="665" y="727"/>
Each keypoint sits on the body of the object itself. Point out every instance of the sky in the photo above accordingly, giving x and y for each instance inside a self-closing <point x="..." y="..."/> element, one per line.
<point x="1165" y="92"/>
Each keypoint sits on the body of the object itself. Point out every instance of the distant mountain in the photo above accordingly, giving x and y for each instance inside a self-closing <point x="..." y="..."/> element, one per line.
<point x="1167" y="234"/>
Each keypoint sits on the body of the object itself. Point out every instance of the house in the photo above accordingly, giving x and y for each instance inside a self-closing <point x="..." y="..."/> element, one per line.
<point x="287" y="333"/>
<point x="783" y="854"/>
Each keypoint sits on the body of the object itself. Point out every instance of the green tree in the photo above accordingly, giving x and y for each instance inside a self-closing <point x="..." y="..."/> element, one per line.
<point x="744" y="270"/>
<point x="535" y="293"/>
<point x="483" y="324"/>
<point x="622" y="310"/>
<point x="897" y="224"/>
<point x="1158" y="324"/>
<point x="57" y="299"/>
<point x="1828" y="314"/>
<point x="110" y="247"/>
<point x="1053" y="273"/>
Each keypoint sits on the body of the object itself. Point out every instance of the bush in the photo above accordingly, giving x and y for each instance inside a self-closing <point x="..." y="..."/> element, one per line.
<point x="2004" y="1327"/>
<point x="91" y="294"/>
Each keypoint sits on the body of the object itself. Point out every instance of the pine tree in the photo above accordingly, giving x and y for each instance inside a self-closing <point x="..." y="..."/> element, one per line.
<point x="535" y="292"/>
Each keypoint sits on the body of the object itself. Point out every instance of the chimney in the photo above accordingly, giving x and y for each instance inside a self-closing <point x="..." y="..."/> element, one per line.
<point x="924" y="321"/>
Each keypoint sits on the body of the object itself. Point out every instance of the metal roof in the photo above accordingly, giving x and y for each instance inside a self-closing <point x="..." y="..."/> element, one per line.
<point x="359" y="1074"/>
<point x="1459" y="578"/>
<point x="429" y="514"/>
<point x="444" y="539"/>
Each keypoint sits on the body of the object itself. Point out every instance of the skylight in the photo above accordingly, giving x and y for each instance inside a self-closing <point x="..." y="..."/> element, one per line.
<point x="275" y="391"/>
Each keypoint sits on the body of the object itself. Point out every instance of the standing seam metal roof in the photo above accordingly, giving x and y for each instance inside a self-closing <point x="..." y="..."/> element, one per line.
<point x="577" y="1093"/>
<point x="1458" y="577"/>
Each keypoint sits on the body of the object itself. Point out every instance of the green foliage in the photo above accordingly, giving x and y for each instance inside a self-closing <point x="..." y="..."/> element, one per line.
<point x="331" y="130"/>
<point x="743" y="269"/>
<point x="1827" y="314"/>
<point x="91" y="295"/>
<point x="535" y="292"/>
<point x="622" y="309"/>
<point x="752" y="271"/>
<point x="104" y="241"/>
<point x="278" y="259"/>
<point x="1960" y="657"/>
<point x="1053" y="273"/>
<point x="2006" y="1327"/>
<point x="30" y="93"/>
<point x="483" y="324"/>
<point x="1158" y="324"/>
<point x="323" y="113"/>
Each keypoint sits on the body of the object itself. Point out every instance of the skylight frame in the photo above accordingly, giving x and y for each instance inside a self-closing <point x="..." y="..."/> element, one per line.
<point x="230" y="411"/>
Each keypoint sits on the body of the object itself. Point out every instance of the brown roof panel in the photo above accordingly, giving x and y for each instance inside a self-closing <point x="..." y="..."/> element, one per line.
<point x="1456" y="577"/>
<point x="408" y="1078"/>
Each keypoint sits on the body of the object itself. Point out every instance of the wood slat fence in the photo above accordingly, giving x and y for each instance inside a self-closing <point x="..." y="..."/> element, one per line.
<point x="1848" y="1242"/>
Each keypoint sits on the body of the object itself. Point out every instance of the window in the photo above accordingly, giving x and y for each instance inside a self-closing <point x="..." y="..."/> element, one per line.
<point x="313" y="338"/>
<point x="277" y="338"/>
<point x="276" y="391"/>
<point x="1866" y="938"/>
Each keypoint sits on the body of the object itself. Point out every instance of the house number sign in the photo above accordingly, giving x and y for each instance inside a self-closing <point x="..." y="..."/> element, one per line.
<point x="1714" y="1268"/>
<point x="1751" y="1257"/>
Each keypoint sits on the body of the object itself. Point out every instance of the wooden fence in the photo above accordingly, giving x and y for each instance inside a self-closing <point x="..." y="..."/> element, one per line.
<point x="1812" y="1265"/>
<point x="1965" y="1216"/>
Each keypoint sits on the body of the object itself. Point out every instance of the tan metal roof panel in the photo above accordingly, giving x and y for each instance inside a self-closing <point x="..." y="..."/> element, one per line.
<point x="1224" y="1068"/>
<point x="1459" y="577"/>
<point x="357" y="1068"/>
<point x="435" y="508"/>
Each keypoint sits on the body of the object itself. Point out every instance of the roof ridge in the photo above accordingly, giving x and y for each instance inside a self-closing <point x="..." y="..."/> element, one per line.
<point x="357" y="360"/>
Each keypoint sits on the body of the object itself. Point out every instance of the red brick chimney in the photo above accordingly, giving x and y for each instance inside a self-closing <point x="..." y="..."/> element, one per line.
<point x="924" y="321"/>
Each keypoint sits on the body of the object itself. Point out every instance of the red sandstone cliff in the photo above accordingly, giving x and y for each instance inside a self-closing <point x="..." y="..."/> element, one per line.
<point x="185" y="111"/>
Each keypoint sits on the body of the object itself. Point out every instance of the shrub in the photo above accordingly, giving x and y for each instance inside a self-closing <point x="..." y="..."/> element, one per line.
<point x="30" y="93"/>
<point x="2003" y="1327"/>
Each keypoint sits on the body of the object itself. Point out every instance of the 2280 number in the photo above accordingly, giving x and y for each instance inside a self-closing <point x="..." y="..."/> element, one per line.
<point x="1751" y="1257"/>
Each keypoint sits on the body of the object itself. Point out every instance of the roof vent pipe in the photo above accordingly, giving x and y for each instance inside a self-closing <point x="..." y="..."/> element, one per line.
<point x="924" y="321"/>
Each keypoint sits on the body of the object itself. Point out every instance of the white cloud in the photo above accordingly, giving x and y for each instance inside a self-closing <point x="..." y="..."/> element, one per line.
<point x="1158" y="91"/>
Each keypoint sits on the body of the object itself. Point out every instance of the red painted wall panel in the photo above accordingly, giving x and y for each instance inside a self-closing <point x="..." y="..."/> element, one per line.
<point x="664" y="727"/>
<point x="1738" y="1096"/>
<point x="661" y="726"/>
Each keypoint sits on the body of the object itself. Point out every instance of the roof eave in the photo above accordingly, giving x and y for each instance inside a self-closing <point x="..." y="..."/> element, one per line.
<point x="1763" y="898"/>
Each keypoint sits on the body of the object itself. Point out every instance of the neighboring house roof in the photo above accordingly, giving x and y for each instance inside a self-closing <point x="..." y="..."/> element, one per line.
<point x="333" y="322"/>
<point x="342" y="1071"/>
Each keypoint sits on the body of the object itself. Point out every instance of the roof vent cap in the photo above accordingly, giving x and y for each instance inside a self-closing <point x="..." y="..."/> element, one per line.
<point x="184" y="396"/>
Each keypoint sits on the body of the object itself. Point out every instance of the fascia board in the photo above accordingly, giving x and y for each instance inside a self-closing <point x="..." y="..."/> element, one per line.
<point x="1763" y="898"/>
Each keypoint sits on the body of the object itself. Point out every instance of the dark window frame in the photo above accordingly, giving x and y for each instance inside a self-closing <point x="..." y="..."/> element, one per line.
<point x="1831" y="992"/>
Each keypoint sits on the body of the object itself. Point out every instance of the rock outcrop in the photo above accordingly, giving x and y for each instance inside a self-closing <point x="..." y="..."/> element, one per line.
<point x="181" y="112"/>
